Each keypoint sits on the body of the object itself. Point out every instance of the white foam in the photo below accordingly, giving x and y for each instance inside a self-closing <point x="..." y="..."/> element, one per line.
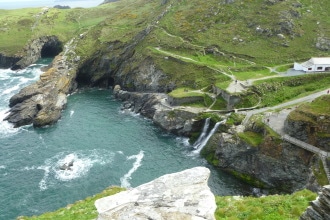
<point x="71" y="113"/>
<point x="6" y="129"/>
<point x="79" y="168"/>
<point x="184" y="141"/>
<point x="2" y="167"/>
<point x="82" y="162"/>
<point x="138" y="162"/>
<point x="10" y="90"/>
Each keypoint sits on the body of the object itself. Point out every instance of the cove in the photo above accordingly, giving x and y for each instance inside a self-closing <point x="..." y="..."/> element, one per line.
<point x="107" y="147"/>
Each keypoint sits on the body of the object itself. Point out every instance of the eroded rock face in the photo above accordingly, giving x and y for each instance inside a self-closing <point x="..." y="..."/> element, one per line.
<point x="183" y="195"/>
<point x="8" y="61"/>
<point x="319" y="209"/>
<point x="42" y="102"/>
<point x="272" y="164"/>
<point x="45" y="46"/>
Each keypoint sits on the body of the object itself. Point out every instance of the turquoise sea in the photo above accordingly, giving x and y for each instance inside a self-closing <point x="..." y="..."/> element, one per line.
<point x="107" y="147"/>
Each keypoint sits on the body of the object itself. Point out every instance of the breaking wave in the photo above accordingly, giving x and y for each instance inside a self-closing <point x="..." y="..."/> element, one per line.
<point x="66" y="166"/>
<point x="128" y="176"/>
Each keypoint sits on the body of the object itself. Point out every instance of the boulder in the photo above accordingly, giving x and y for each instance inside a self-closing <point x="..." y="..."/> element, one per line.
<point x="182" y="195"/>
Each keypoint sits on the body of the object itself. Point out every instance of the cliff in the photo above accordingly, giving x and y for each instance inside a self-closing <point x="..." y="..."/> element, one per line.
<point x="184" y="194"/>
<point x="311" y="123"/>
<point x="151" y="48"/>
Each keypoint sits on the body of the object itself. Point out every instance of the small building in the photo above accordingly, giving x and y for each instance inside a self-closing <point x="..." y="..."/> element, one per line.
<point x="315" y="64"/>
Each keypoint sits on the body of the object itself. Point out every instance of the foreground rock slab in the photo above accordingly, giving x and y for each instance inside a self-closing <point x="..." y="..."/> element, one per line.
<point x="184" y="195"/>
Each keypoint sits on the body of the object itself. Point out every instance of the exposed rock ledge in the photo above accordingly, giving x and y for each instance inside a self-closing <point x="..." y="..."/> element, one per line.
<point x="156" y="107"/>
<point x="183" y="195"/>
<point x="42" y="102"/>
<point x="320" y="208"/>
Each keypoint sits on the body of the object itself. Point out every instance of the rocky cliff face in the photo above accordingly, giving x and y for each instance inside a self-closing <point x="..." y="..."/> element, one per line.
<point x="42" y="102"/>
<point x="8" y="61"/>
<point x="311" y="123"/>
<point x="45" y="46"/>
<point x="269" y="164"/>
<point x="183" y="195"/>
<point x="156" y="107"/>
<point x="319" y="209"/>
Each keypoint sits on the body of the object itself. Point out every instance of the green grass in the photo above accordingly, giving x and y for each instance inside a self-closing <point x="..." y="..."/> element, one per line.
<point x="281" y="207"/>
<point x="252" y="138"/>
<point x="185" y="92"/>
<point x="228" y="207"/>
<point x="220" y="104"/>
<point x="252" y="73"/>
<point x="278" y="90"/>
<point x="284" y="68"/>
<point x="320" y="174"/>
<point x="82" y="210"/>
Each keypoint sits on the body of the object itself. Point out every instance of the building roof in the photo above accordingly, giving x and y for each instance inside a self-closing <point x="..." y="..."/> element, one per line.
<point x="320" y="60"/>
<point x="316" y="61"/>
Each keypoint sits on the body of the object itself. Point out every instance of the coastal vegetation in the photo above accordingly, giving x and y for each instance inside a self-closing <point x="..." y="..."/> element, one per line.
<point x="228" y="207"/>
<point x="198" y="50"/>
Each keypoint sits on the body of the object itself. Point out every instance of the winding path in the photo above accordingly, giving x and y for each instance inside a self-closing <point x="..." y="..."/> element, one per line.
<point x="276" y="122"/>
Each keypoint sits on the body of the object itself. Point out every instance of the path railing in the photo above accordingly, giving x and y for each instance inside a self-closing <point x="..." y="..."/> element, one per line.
<point x="305" y="145"/>
<point x="323" y="154"/>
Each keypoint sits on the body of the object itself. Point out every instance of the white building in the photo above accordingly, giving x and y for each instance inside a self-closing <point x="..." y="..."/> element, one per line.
<point x="315" y="64"/>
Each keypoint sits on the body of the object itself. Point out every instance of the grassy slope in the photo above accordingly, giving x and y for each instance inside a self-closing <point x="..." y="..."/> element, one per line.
<point x="206" y="39"/>
<point x="228" y="207"/>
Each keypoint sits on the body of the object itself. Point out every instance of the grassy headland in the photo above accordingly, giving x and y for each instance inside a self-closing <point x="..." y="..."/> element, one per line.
<point x="228" y="207"/>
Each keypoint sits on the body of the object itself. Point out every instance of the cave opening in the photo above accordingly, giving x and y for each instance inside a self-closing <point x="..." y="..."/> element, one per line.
<point x="51" y="49"/>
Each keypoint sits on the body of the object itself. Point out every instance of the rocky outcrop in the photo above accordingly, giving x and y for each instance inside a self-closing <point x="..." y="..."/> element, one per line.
<point x="319" y="209"/>
<point x="183" y="195"/>
<point x="271" y="164"/>
<point x="8" y="61"/>
<point x="42" y="102"/>
<point x="156" y="107"/>
<point x="310" y="124"/>
<point x="115" y="63"/>
<point x="323" y="43"/>
<point x="45" y="46"/>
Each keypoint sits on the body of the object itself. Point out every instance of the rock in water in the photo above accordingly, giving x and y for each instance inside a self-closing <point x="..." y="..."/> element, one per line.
<point x="183" y="195"/>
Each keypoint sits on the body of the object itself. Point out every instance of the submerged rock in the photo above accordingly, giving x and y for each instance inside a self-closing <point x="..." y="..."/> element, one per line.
<point x="183" y="195"/>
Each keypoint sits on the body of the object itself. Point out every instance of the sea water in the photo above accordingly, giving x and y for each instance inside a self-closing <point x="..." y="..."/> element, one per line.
<point x="106" y="145"/>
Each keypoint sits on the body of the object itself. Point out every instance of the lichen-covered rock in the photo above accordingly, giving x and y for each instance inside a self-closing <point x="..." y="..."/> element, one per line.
<point x="42" y="102"/>
<point x="183" y="195"/>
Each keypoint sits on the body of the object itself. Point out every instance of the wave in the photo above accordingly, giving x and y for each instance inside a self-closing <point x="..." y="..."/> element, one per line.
<point x="71" y="113"/>
<point x="67" y="166"/>
<point x="7" y="129"/>
<point x="128" y="176"/>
